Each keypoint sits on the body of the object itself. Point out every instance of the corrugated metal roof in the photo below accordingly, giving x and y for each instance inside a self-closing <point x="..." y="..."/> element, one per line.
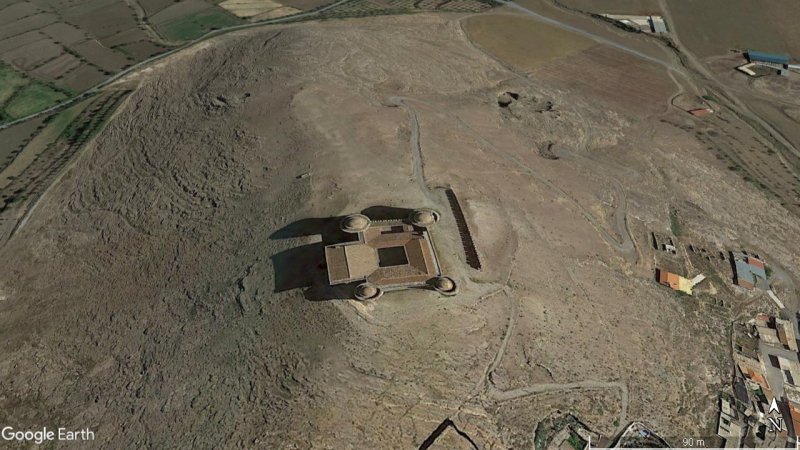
<point x="755" y="262"/>
<point x="658" y="24"/>
<point x="755" y="55"/>
<point x="747" y="273"/>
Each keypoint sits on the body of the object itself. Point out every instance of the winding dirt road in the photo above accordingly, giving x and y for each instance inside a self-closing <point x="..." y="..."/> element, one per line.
<point x="485" y="387"/>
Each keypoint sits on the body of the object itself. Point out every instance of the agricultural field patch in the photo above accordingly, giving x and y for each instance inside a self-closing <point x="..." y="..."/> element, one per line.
<point x="76" y="8"/>
<point x="10" y="81"/>
<point x="151" y="7"/>
<point x="100" y="56"/>
<point x="714" y="27"/>
<point x="633" y="7"/>
<point x="753" y="158"/>
<point x="522" y="42"/>
<point x="141" y="50"/>
<point x="64" y="33"/>
<point x="107" y="21"/>
<point x="16" y="12"/>
<point x="44" y="157"/>
<point x="365" y="8"/>
<point x="782" y="120"/>
<point x="32" y="98"/>
<point x="56" y="68"/>
<point x="82" y="78"/>
<point x="125" y="37"/>
<point x="283" y="11"/>
<point x="196" y="25"/>
<point x="55" y="126"/>
<point x="251" y="8"/>
<point x="15" y="42"/>
<point x="305" y="5"/>
<point x="179" y="10"/>
<point x="15" y="138"/>
<point x="27" y="24"/>
<point x="30" y="56"/>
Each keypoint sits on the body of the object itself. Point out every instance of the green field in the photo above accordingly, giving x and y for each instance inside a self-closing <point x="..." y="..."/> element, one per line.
<point x="10" y="81"/>
<point x="196" y="25"/>
<point x="32" y="98"/>
<point x="21" y="96"/>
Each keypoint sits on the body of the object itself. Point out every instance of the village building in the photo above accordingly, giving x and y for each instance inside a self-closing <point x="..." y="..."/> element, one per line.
<point x="749" y="270"/>
<point x="776" y="331"/>
<point x="731" y="425"/>
<point x="677" y="282"/>
<point x="387" y="255"/>
<point x="748" y="360"/>
<point x="700" y="112"/>
<point x="769" y="59"/>
<point x="753" y="371"/>
<point x="793" y="400"/>
<point x="790" y="370"/>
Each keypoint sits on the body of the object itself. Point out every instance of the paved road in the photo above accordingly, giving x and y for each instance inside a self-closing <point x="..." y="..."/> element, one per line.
<point x="139" y="65"/>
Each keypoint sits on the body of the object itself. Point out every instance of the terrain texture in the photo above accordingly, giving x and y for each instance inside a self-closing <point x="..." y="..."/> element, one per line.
<point x="169" y="289"/>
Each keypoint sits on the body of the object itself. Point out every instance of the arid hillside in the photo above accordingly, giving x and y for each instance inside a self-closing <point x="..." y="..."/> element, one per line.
<point x="170" y="289"/>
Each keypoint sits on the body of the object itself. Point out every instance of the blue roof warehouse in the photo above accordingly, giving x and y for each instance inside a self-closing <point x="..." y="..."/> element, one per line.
<point x="756" y="56"/>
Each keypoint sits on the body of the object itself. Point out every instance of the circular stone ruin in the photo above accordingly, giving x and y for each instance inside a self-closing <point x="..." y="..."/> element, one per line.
<point x="366" y="291"/>
<point x="444" y="285"/>
<point x="424" y="217"/>
<point x="355" y="223"/>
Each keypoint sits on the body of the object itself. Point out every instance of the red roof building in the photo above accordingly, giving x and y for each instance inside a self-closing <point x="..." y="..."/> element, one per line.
<point x="700" y="112"/>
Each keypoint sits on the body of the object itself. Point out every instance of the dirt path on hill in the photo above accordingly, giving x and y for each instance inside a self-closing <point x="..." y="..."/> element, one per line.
<point x="623" y="244"/>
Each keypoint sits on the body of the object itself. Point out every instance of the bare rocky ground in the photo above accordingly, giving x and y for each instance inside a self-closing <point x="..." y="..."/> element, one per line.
<point x="166" y="293"/>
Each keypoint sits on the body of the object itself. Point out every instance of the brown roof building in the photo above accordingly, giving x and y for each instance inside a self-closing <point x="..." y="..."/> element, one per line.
<point x="753" y="370"/>
<point x="390" y="254"/>
<point x="669" y="279"/>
